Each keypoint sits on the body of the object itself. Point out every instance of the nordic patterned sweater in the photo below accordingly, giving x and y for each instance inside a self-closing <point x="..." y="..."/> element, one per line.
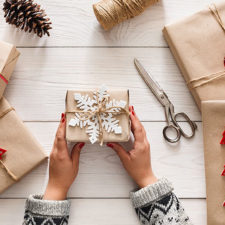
<point x="155" y="204"/>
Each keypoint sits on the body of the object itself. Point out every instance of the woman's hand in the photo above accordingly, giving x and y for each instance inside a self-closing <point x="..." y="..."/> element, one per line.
<point x="63" y="167"/>
<point x="137" y="161"/>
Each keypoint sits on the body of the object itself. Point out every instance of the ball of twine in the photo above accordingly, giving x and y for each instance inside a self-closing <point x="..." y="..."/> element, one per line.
<point x="112" y="12"/>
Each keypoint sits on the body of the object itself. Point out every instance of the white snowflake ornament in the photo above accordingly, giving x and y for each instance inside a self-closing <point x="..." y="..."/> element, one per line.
<point x="98" y="108"/>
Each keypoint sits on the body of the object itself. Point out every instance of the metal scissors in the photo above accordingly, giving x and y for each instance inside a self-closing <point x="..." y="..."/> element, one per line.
<point x="171" y="117"/>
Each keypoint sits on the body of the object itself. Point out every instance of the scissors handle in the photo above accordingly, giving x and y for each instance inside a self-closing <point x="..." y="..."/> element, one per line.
<point x="191" y="123"/>
<point x="176" y="129"/>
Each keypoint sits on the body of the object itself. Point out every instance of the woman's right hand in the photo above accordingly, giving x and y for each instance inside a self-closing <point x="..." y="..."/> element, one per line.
<point x="63" y="166"/>
<point x="137" y="161"/>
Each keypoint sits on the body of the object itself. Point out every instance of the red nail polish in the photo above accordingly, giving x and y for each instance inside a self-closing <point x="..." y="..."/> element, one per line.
<point x="63" y="120"/>
<point x="62" y="116"/>
<point x="133" y="113"/>
<point x="133" y="108"/>
<point x="81" y="145"/>
<point x="109" y="145"/>
<point x="223" y="173"/>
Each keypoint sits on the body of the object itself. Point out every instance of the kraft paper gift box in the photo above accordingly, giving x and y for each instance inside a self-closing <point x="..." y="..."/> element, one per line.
<point x="23" y="154"/>
<point x="75" y="133"/>
<point x="213" y="115"/>
<point x="198" y="45"/>
<point x="8" y="58"/>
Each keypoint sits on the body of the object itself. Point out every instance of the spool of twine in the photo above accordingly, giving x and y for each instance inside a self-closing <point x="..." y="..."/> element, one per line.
<point x="112" y="12"/>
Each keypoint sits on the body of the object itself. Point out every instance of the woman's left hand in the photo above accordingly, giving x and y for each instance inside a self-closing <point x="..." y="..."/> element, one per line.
<point x="63" y="167"/>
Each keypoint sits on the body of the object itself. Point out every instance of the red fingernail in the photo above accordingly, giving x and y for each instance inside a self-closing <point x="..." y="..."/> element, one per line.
<point x="133" y="108"/>
<point x="223" y="173"/>
<point x="81" y="145"/>
<point x="133" y="113"/>
<point x="110" y="145"/>
<point x="62" y="116"/>
<point x="63" y="120"/>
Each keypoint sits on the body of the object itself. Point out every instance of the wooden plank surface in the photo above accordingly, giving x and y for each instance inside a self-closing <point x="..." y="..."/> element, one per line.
<point x="41" y="81"/>
<point x="99" y="211"/>
<point x="74" y="24"/>
<point x="81" y="55"/>
<point x="102" y="175"/>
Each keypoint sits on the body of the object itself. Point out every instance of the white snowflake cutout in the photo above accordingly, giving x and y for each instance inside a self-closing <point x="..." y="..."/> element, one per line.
<point x="102" y="93"/>
<point x="87" y="104"/>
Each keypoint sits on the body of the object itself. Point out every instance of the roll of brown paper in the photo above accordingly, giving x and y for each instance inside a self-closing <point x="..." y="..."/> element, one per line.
<point x="112" y="12"/>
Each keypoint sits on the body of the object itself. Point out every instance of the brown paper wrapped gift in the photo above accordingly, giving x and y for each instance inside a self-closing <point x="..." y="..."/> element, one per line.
<point x="23" y="151"/>
<point x="198" y="45"/>
<point x="213" y="115"/>
<point x="75" y="134"/>
<point x="8" y="58"/>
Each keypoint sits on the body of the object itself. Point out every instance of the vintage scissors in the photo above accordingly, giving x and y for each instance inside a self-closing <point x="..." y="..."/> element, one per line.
<point x="171" y="117"/>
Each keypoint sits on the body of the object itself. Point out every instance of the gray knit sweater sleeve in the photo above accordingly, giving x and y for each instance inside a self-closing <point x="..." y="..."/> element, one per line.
<point x="156" y="204"/>
<point x="38" y="211"/>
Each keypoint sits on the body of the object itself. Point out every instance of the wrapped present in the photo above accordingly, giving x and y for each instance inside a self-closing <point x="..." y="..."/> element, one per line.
<point x="19" y="150"/>
<point x="97" y="116"/>
<point x="213" y="115"/>
<point x="198" y="45"/>
<point x="8" y="58"/>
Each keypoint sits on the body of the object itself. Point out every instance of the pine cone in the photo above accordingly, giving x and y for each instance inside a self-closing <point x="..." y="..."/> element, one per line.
<point x="27" y="16"/>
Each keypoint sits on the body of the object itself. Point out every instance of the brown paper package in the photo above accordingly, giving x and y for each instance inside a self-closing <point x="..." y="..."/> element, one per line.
<point x="23" y="154"/>
<point x="8" y="58"/>
<point x="213" y="115"/>
<point x="198" y="45"/>
<point x="76" y="134"/>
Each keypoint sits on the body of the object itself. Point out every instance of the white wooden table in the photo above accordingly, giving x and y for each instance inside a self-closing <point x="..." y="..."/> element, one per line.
<point x="80" y="55"/>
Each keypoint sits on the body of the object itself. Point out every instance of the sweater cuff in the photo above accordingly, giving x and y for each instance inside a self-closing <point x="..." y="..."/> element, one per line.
<point x="151" y="193"/>
<point x="36" y="205"/>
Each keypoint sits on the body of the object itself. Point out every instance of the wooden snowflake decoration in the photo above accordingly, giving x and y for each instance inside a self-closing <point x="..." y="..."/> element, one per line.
<point x="97" y="113"/>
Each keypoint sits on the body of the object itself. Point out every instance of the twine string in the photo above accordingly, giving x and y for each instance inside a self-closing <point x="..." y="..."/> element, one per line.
<point x="6" y="111"/>
<point x="217" y="16"/>
<point x="9" y="172"/>
<point x="198" y="82"/>
<point x="205" y="79"/>
<point x="112" y="12"/>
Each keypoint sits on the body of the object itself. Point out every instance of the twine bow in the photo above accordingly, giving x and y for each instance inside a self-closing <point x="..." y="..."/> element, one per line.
<point x="3" y="151"/>
<point x="100" y="109"/>
<point x="209" y="78"/>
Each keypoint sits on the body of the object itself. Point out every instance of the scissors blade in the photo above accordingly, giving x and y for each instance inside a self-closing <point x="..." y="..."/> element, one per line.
<point x="151" y="83"/>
